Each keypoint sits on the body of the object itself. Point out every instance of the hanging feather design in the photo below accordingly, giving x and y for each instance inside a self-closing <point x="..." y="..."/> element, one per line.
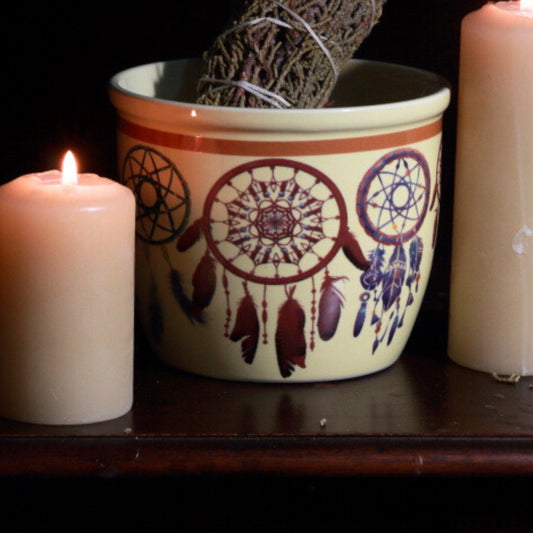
<point x="246" y="327"/>
<point x="394" y="277"/>
<point x="352" y="250"/>
<point x="370" y="279"/>
<point x="204" y="277"/>
<point x="190" y="236"/>
<point x="204" y="282"/>
<point x="182" y="299"/>
<point x="416" y="249"/>
<point x="386" y="284"/>
<point x="329" y="307"/>
<point x="273" y="228"/>
<point x="290" y="335"/>
<point x="394" y="327"/>
<point x="361" y="314"/>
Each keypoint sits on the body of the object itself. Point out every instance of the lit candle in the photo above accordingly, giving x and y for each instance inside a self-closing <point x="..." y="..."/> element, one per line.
<point x="66" y="297"/>
<point x="491" y="301"/>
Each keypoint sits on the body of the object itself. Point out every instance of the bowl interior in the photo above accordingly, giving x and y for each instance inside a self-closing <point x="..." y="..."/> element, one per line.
<point x="361" y="82"/>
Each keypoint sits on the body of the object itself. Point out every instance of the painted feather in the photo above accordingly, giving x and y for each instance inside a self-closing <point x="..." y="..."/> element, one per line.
<point x="394" y="327"/>
<point x="416" y="250"/>
<point x="329" y="307"/>
<point x="246" y="327"/>
<point x="290" y="336"/>
<point x="393" y="278"/>
<point x="352" y="250"/>
<point x="371" y="278"/>
<point x="180" y="296"/>
<point x="361" y="314"/>
<point x="375" y="345"/>
<point x="190" y="236"/>
<point x="204" y="282"/>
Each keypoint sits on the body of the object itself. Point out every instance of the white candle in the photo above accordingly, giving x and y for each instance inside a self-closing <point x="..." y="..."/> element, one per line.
<point x="491" y="305"/>
<point x="66" y="298"/>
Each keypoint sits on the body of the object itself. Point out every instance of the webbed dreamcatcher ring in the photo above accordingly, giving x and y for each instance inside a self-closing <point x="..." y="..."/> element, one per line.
<point x="393" y="197"/>
<point x="274" y="221"/>
<point x="161" y="193"/>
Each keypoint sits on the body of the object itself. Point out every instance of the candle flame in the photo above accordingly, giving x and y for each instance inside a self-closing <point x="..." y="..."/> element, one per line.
<point x="526" y="5"/>
<point x="70" y="170"/>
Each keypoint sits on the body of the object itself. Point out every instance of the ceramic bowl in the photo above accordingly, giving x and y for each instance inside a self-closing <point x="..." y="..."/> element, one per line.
<point x="282" y="245"/>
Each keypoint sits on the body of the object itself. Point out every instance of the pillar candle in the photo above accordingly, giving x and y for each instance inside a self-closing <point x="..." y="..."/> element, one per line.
<point x="66" y="298"/>
<point x="491" y="299"/>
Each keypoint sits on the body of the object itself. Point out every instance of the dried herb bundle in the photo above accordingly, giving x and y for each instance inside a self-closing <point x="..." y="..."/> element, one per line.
<point x="285" y="53"/>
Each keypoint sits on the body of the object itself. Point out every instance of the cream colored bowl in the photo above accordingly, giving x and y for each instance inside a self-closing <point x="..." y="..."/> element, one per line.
<point x="282" y="245"/>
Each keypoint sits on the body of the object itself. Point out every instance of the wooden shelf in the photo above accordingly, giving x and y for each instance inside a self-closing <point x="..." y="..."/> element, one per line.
<point x="424" y="416"/>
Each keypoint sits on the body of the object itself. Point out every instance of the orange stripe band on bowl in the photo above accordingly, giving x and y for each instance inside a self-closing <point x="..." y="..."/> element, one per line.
<point x="279" y="148"/>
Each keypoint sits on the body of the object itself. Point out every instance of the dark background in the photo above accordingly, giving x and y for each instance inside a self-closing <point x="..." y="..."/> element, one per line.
<point x="58" y="63"/>
<point x="55" y="70"/>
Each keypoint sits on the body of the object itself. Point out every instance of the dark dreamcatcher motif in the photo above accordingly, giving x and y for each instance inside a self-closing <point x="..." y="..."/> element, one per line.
<point x="162" y="195"/>
<point x="392" y="202"/>
<point x="272" y="222"/>
<point x="162" y="211"/>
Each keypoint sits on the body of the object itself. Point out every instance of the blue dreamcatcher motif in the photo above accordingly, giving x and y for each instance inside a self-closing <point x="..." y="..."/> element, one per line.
<point x="392" y="202"/>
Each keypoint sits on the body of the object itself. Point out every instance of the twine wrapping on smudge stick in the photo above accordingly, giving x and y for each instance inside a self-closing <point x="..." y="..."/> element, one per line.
<point x="285" y="54"/>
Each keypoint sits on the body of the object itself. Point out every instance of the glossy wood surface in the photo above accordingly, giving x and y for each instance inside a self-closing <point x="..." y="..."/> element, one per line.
<point x="422" y="416"/>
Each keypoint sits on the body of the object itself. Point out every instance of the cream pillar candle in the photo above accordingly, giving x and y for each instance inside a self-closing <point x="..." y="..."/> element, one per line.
<point x="66" y="298"/>
<point x="491" y="304"/>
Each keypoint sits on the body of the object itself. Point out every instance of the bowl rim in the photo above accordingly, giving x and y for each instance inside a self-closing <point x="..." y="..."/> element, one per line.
<point x="387" y="114"/>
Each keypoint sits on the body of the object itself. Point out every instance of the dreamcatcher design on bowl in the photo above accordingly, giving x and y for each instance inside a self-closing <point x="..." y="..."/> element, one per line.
<point x="161" y="193"/>
<point x="392" y="202"/>
<point x="272" y="222"/>
<point x="162" y="211"/>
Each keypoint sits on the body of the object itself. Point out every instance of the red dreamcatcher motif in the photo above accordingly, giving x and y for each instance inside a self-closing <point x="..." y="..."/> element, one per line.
<point x="272" y="222"/>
